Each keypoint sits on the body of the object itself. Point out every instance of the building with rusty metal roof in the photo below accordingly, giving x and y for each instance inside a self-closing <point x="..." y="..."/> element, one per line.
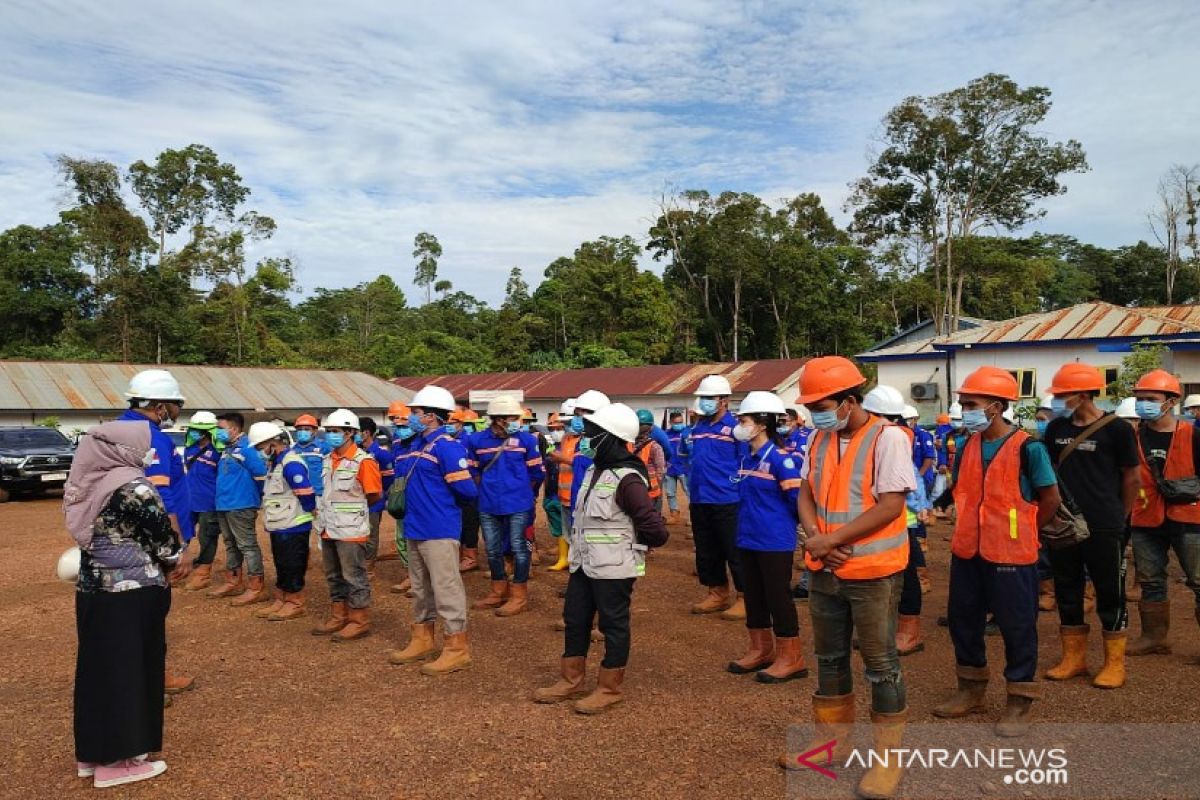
<point x="1034" y="346"/>
<point x="83" y="394"/>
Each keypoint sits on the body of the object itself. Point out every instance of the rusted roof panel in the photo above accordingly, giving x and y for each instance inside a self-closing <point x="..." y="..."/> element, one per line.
<point x="71" y="386"/>
<point x="1095" y="320"/>
<point x="668" y="379"/>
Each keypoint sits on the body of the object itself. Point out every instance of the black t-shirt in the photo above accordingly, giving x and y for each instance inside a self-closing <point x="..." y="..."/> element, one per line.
<point x="1093" y="472"/>
<point x="1155" y="445"/>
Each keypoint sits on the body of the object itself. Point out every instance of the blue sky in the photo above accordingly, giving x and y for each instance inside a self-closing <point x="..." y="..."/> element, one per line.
<point x="513" y="131"/>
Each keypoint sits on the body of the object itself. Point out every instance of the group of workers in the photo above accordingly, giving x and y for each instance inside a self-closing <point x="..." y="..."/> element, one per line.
<point x="845" y="477"/>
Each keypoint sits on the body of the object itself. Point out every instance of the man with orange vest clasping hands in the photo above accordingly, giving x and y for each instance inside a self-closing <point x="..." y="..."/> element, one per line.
<point x="856" y="474"/>
<point x="1004" y="489"/>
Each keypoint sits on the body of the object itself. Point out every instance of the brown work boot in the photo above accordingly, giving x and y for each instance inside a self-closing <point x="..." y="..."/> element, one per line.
<point x="337" y="620"/>
<point x="232" y="586"/>
<point x="468" y="559"/>
<point x="1156" y="624"/>
<point x="403" y="587"/>
<point x="1014" y="720"/>
<point x="924" y="580"/>
<point x="737" y="611"/>
<point x="1046" y="601"/>
<point x="420" y="646"/>
<point x="972" y="686"/>
<point x="495" y="598"/>
<point x="833" y="718"/>
<point x="518" y="601"/>
<point x="788" y="664"/>
<point x="883" y="778"/>
<point x="606" y="694"/>
<point x="456" y="655"/>
<point x="573" y="670"/>
<point x="908" y="635"/>
<point x="1112" y="674"/>
<point x="760" y="653"/>
<point x="358" y="625"/>
<point x="293" y="607"/>
<point x="1074" y="659"/>
<point x="267" y="611"/>
<point x="1089" y="598"/>
<point x="716" y="600"/>
<point x="201" y="578"/>
<point x="174" y="684"/>
<point x="256" y="592"/>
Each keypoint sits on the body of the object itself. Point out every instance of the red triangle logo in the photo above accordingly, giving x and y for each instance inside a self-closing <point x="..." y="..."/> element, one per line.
<point x="807" y="759"/>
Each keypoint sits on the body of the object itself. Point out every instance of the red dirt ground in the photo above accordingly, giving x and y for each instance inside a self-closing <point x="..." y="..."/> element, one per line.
<point x="280" y="713"/>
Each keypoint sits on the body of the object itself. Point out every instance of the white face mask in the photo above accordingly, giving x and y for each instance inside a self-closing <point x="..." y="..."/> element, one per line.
<point x="556" y="436"/>
<point x="744" y="433"/>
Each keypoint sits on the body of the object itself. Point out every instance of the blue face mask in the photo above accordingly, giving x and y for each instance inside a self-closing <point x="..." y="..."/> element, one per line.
<point x="222" y="436"/>
<point x="404" y="433"/>
<point x="976" y="420"/>
<point x="525" y="428"/>
<point x="829" y="420"/>
<point x="577" y="426"/>
<point x="303" y="437"/>
<point x="708" y="406"/>
<point x="414" y="422"/>
<point x="1042" y="424"/>
<point x="784" y="430"/>
<point x="1148" y="410"/>
<point x="1059" y="407"/>
<point x="358" y="438"/>
<point x="677" y="427"/>
<point x="335" y="438"/>
<point x="512" y="428"/>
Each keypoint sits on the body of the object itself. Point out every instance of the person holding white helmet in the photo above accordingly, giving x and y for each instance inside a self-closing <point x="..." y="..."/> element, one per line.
<point x="768" y="483"/>
<point x="289" y="501"/>
<point x="437" y="483"/>
<point x="506" y="464"/>
<point x="614" y="524"/>
<point x="714" y="500"/>
<point x="200" y="456"/>
<point x="240" y="475"/>
<point x="352" y="483"/>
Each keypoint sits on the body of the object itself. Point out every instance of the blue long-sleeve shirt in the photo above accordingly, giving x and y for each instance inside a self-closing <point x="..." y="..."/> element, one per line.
<point x="510" y="485"/>
<point x="715" y="456"/>
<point x="923" y="447"/>
<point x="387" y="471"/>
<point x="166" y="472"/>
<point x="677" y="457"/>
<point x="202" y="476"/>
<point x="240" y="476"/>
<point x="314" y="453"/>
<point x="769" y="488"/>
<point x="439" y="484"/>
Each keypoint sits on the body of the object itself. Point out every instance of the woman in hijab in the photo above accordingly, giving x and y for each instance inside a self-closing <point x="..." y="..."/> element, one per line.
<point x="122" y="598"/>
<point x="614" y="523"/>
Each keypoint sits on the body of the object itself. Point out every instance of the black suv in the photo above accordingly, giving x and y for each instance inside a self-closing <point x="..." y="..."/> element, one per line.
<point x="33" y="459"/>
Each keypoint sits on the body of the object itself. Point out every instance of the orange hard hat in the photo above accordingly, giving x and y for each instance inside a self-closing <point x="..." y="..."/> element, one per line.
<point x="1076" y="377"/>
<point x="457" y="416"/>
<point x="1159" y="380"/>
<point x="943" y="419"/>
<point x="991" y="382"/>
<point x="529" y="414"/>
<point x="306" y="419"/>
<point x="397" y="408"/>
<point x="826" y="376"/>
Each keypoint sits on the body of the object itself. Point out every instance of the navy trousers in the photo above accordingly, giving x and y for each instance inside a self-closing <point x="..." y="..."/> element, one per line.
<point x="1010" y="593"/>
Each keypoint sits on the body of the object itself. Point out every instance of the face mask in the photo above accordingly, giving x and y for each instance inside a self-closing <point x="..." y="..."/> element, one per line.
<point x="222" y="436"/>
<point x="512" y="428"/>
<point x="577" y="426"/>
<point x="556" y="436"/>
<point x="829" y="420"/>
<point x="1148" y="410"/>
<point x="1059" y="406"/>
<point x="744" y="433"/>
<point x="525" y="428"/>
<point x="1042" y="424"/>
<point x="784" y="430"/>
<point x="585" y="447"/>
<point x="708" y="406"/>
<point x="265" y="452"/>
<point x="404" y="432"/>
<point x="191" y="438"/>
<point x="976" y="420"/>
<point x="358" y="438"/>
<point x="677" y="427"/>
<point x="335" y="438"/>
<point x="414" y="422"/>
<point x="303" y="437"/>
<point x="166" y="422"/>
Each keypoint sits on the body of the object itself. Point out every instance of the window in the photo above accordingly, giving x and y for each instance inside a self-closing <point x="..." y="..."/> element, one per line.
<point x="1026" y="381"/>
<point x="1110" y="377"/>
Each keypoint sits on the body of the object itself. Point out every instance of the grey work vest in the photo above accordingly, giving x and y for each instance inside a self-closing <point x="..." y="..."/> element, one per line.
<point x="603" y="542"/>
<point x="344" y="507"/>
<point x="281" y="507"/>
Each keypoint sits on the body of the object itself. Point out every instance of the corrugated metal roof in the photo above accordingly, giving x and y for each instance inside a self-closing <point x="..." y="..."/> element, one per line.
<point x="1095" y="320"/>
<point x="69" y="386"/>
<point x="744" y="376"/>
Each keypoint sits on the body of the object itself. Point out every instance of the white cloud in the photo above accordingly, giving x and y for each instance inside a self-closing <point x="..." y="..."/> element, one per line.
<point x="516" y="130"/>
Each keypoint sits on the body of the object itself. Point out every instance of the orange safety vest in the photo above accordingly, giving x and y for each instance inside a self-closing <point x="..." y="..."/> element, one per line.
<point x="566" y="472"/>
<point x="841" y="486"/>
<point x="1150" y="511"/>
<point x="644" y="455"/>
<point x="995" y="520"/>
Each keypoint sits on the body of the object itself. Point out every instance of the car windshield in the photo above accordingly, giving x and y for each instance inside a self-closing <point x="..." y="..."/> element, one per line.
<point x="32" y="437"/>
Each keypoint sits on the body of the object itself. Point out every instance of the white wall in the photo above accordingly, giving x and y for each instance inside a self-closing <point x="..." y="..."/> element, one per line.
<point x="902" y="374"/>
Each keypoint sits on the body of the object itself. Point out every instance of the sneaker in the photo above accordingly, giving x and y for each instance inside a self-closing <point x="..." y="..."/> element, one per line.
<point x="85" y="769"/>
<point x="130" y="770"/>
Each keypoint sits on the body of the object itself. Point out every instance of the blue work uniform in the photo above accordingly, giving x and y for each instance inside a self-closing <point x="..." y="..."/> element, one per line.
<point x="677" y="456"/>
<point x="299" y="480"/>
<point x="510" y="484"/>
<point x="579" y="468"/>
<point x="387" y="472"/>
<point x="797" y="443"/>
<point x="439" y="483"/>
<point x="941" y="439"/>
<point x="715" y="456"/>
<point x="202" y="477"/>
<point x="166" y="472"/>
<point x="241" y="473"/>
<point x="314" y="453"/>
<point x="768" y="486"/>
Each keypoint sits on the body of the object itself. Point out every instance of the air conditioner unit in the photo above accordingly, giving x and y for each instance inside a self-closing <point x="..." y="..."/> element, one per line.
<point x="923" y="391"/>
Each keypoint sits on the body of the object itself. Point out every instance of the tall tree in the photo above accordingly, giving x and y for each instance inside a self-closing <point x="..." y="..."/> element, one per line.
<point x="426" y="250"/>
<point x="1173" y="220"/>
<point x="41" y="288"/>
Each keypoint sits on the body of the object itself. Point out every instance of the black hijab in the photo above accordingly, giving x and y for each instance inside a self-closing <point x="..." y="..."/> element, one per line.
<point x="612" y="452"/>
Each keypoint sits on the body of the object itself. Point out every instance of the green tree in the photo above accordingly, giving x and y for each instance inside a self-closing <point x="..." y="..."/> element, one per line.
<point x="1144" y="357"/>
<point x="426" y="250"/>
<point x="42" y="290"/>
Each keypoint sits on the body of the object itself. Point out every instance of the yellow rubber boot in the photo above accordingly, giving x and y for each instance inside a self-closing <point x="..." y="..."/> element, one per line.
<point x="1112" y="674"/>
<point x="563" y="555"/>
<point x="883" y="778"/>
<point x="833" y="718"/>
<point x="1074" y="659"/>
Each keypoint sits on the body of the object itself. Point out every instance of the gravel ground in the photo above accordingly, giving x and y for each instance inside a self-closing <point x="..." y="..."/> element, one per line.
<point x="280" y="713"/>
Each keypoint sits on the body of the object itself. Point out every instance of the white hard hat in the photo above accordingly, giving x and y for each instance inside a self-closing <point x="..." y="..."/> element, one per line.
<point x="434" y="397"/>
<point x="341" y="418"/>
<point x="714" y="386"/>
<point x="618" y="419"/>
<point x="1191" y="400"/>
<point x="955" y="412"/>
<point x="265" y="431"/>
<point x="68" y="564"/>
<point x="761" y="403"/>
<point x="1127" y="408"/>
<point x="567" y="409"/>
<point x="203" y="419"/>
<point x="504" y="407"/>
<point x="591" y="400"/>
<point x="910" y="412"/>
<point x="154" y="384"/>
<point x="884" y="400"/>
<point x="1048" y="402"/>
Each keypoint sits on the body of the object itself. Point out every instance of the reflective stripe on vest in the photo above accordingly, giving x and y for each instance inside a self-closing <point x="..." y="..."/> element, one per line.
<point x="281" y="508"/>
<point x="995" y="520"/>
<point x="566" y="472"/>
<point x="1149" y="510"/>
<point x="841" y="486"/>
<point x="644" y="455"/>
<point x="344" y="507"/>
<point x="603" y="542"/>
